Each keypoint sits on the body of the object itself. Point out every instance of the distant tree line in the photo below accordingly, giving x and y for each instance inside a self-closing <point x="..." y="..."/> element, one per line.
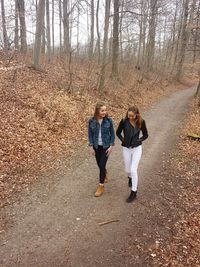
<point x="151" y="34"/>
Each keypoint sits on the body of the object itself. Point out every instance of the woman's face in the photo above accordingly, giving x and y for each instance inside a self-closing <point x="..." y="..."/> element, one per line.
<point x="131" y="115"/>
<point x="102" y="112"/>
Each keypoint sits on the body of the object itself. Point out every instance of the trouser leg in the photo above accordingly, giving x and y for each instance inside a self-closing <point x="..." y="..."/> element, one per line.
<point x="127" y="156"/>
<point x="136" y="156"/>
<point x="101" y="159"/>
<point x="97" y="155"/>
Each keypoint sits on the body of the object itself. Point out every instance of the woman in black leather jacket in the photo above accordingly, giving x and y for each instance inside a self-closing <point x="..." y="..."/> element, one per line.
<point x="131" y="127"/>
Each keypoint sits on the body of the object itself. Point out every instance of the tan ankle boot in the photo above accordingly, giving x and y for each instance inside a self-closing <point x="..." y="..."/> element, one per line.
<point x="100" y="190"/>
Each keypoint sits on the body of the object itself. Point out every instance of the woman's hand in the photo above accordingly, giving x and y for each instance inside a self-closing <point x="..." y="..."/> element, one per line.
<point x="109" y="151"/>
<point x="91" y="151"/>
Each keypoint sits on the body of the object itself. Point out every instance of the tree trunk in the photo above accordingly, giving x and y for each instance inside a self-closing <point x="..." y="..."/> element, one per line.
<point x="16" y="40"/>
<point x="91" y="31"/>
<point x="140" y="36"/>
<point x="98" y="33"/>
<point x="184" y="39"/>
<point x="115" y="40"/>
<point x="77" y="36"/>
<point x="70" y="23"/>
<point x="53" y="41"/>
<point x="38" y="34"/>
<point x="196" y="34"/>
<point x="48" y="32"/>
<point x="191" y="22"/>
<point x="105" y="44"/>
<point x="152" y="34"/>
<point x="88" y="32"/>
<point x="66" y="47"/>
<point x="144" y="22"/>
<point x="60" y="25"/>
<point x="110" y="42"/>
<point x="22" y="20"/>
<point x="43" y="38"/>
<point x="5" y="36"/>
<point x="173" y="35"/>
<point x="178" y="41"/>
<point x="120" y="31"/>
<point x="165" y="48"/>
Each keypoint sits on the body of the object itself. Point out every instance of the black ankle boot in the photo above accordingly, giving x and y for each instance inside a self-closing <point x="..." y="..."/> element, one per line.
<point x="129" y="182"/>
<point x="132" y="196"/>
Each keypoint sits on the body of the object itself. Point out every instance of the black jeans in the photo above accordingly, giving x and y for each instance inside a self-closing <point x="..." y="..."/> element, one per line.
<point x="101" y="158"/>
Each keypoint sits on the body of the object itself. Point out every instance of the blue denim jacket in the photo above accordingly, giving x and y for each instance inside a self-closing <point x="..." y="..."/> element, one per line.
<point x="107" y="132"/>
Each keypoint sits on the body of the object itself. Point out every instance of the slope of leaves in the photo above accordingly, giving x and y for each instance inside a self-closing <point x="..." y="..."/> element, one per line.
<point x="183" y="248"/>
<point x="44" y="116"/>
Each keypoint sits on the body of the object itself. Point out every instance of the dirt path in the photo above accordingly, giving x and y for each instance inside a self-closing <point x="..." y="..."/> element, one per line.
<point x="58" y="224"/>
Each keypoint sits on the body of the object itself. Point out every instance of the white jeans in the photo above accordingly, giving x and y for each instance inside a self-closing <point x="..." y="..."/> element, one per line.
<point x="131" y="160"/>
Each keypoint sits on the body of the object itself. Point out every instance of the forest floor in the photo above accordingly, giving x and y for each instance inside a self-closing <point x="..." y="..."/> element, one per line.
<point x="57" y="222"/>
<point x="42" y="118"/>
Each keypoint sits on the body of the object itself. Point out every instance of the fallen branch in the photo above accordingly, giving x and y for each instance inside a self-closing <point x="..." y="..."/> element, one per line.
<point x="194" y="136"/>
<point x="107" y="222"/>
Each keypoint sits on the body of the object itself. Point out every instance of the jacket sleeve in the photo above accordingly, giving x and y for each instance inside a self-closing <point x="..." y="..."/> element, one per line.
<point x="112" y="133"/>
<point x="119" y="130"/>
<point x="90" y="134"/>
<point x="144" y="131"/>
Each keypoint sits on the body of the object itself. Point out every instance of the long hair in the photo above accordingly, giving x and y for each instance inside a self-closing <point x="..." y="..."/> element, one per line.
<point x="138" y="119"/>
<point x="98" y="106"/>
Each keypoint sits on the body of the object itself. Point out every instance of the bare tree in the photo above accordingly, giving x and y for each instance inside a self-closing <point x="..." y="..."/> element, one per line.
<point x="98" y="33"/>
<point x="115" y="40"/>
<point x="142" y="33"/>
<point x="60" y="25"/>
<point x="105" y="44"/>
<point x="53" y="41"/>
<point x="5" y="36"/>
<point x="152" y="34"/>
<point x="38" y="34"/>
<point x="66" y="26"/>
<point x="43" y="38"/>
<point x="173" y="35"/>
<point x="48" y="32"/>
<point x="21" y="9"/>
<point x="195" y="32"/>
<point x="91" y="47"/>
<point x="140" y="19"/>
<point x="16" y="40"/>
<point x="71" y="20"/>
<point x="144" y="22"/>
<point x="178" y="40"/>
<point x="78" y="25"/>
<point x="184" y="40"/>
<point x="120" y="30"/>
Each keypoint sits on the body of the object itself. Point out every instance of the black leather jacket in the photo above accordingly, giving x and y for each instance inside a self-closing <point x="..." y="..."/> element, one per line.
<point x="131" y="134"/>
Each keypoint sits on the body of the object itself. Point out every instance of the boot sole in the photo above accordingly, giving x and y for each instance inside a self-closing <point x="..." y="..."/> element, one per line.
<point x="98" y="195"/>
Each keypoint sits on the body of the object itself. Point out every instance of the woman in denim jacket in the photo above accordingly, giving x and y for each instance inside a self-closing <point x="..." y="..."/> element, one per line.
<point x="101" y="138"/>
